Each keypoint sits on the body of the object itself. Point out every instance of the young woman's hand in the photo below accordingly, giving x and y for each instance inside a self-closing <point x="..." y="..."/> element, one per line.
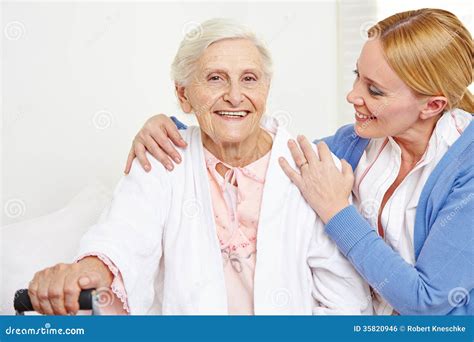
<point x="55" y="290"/>
<point x="156" y="136"/>
<point x="325" y="188"/>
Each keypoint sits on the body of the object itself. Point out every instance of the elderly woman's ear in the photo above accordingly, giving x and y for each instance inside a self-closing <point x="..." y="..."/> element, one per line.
<point x="183" y="99"/>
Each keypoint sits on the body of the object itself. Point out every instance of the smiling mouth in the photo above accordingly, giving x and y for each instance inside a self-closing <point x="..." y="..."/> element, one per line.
<point x="232" y="114"/>
<point x="365" y="117"/>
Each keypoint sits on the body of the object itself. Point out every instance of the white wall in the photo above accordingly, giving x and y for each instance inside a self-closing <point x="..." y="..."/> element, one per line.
<point x="79" y="79"/>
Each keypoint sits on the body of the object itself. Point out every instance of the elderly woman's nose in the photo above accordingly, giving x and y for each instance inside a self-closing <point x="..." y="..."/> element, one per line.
<point x="234" y="95"/>
<point x="354" y="98"/>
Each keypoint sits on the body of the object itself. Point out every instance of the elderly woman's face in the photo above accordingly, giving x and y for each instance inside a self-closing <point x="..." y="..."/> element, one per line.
<point x="228" y="91"/>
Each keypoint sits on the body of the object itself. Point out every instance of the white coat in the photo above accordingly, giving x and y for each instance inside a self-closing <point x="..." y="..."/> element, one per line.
<point x="160" y="233"/>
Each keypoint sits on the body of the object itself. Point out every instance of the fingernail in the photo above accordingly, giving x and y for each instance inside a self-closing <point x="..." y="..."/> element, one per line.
<point x="169" y="167"/>
<point x="147" y="167"/>
<point x="177" y="159"/>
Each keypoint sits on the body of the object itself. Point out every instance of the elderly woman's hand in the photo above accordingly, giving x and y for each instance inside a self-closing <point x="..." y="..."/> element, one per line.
<point x="55" y="290"/>
<point x="155" y="137"/>
<point x="325" y="188"/>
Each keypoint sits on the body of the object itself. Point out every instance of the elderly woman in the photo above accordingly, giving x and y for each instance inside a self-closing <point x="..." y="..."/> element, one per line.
<point x="409" y="232"/>
<point x="225" y="233"/>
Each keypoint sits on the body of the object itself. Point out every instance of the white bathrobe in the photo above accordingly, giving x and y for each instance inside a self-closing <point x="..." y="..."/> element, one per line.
<point x="160" y="233"/>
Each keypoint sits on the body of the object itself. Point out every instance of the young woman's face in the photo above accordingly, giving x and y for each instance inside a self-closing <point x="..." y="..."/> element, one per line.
<point x="384" y="104"/>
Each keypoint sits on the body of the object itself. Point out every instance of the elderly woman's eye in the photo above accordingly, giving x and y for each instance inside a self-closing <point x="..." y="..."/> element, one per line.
<point x="214" y="78"/>
<point x="250" y="78"/>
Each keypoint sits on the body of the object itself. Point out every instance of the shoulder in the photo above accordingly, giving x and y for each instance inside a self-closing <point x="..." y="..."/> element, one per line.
<point x="192" y="134"/>
<point x="157" y="173"/>
<point x="459" y="159"/>
<point x="463" y="162"/>
<point x="346" y="144"/>
<point x="281" y="144"/>
<point x="453" y="178"/>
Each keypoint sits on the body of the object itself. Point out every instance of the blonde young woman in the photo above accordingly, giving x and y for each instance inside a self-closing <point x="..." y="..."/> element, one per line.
<point x="410" y="230"/>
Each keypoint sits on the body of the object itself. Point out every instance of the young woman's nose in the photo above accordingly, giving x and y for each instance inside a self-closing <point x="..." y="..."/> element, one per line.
<point x="354" y="98"/>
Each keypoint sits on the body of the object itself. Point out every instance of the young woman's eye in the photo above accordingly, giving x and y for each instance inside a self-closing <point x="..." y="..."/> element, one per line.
<point x="374" y="91"/>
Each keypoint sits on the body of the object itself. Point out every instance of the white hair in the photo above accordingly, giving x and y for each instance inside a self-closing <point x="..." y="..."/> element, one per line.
<point x="203" y="35"/>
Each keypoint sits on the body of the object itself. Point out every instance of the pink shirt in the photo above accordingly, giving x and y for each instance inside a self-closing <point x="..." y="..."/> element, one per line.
<point x="236" y="200"/>
<point x="114" y="303"/>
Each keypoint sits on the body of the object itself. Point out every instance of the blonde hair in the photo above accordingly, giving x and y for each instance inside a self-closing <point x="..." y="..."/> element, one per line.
<point x="207" y="33"/>
<point x="431" y="51"/>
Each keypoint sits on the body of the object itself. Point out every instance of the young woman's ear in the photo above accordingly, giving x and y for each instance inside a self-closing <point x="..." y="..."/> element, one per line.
<point x="433" y="107"/>
<point x="183" y="99"/>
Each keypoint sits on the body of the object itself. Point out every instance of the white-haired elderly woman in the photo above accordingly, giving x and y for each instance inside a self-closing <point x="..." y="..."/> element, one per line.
<point x="225" y="233"/>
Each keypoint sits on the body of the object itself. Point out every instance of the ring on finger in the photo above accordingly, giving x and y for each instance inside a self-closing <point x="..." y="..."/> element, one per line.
<point x="303" y="164"/>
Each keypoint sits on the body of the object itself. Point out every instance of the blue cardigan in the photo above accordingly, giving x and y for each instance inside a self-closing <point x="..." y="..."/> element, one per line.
<point x="442" y="280"/>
